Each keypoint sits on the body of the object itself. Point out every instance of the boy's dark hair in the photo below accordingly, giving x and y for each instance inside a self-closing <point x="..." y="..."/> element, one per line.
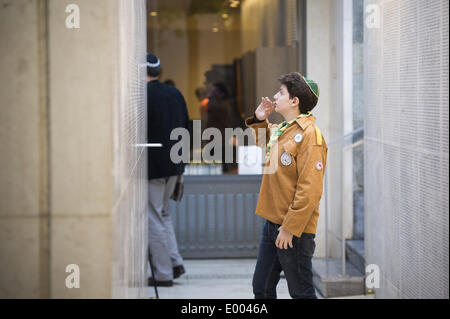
<point x="297" y="87"/>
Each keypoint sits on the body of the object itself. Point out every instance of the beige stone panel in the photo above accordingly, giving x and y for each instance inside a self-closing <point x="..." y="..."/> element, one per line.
<point x="19" y="257"/>
<point x="86" y="242"/>
<point x="19" y="108"/>
<point x="320" y="70"/>
<point x="319" y="58"/>
<point x="82" y="94"/>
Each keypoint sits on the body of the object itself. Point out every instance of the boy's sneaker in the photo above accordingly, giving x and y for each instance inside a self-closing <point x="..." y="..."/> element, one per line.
<point x="178" y="271"/>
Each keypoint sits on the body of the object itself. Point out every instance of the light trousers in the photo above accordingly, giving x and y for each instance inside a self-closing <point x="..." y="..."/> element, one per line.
<point x="162" y="242"/>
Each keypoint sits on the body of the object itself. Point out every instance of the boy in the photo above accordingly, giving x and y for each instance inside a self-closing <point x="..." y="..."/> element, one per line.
<point x="290" y="195"/>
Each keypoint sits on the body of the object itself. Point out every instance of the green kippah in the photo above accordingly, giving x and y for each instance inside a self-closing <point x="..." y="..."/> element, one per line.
<point x="313" y="86"/>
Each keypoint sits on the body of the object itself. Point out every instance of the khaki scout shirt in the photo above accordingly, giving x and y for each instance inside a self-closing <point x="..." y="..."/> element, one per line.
<point x="292" y="183"/>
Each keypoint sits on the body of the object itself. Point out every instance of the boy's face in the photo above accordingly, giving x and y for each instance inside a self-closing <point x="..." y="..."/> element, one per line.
<point x="283" y="103"/>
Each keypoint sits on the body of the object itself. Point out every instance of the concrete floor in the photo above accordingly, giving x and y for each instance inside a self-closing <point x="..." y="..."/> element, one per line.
<point x="217" y="279"/>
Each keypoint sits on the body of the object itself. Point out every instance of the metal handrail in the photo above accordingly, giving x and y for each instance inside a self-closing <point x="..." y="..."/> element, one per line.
<point x="343" y="137"/>
<point x="344" y="149"/>
<point x="349" y="147"/>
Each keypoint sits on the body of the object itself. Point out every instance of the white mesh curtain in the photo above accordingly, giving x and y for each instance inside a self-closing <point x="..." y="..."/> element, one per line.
<point x="406" y="148"/>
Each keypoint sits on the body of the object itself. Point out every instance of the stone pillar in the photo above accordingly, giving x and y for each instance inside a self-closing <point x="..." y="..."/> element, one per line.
<point x="24" y="148"/>
<point x="81" y="92"/>
<point x="319" y="68"/>
<point x="59" y="193"/>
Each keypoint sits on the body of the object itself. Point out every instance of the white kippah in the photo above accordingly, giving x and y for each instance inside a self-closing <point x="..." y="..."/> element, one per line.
<point x="154" y="65"/>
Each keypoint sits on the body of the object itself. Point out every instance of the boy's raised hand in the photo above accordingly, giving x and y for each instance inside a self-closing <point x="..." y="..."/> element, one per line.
<point x="264" y="109"/>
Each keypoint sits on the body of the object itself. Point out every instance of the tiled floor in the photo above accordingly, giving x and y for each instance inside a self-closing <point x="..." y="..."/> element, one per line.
<point x="216" y="279"/>
<point x="220" y="279"/>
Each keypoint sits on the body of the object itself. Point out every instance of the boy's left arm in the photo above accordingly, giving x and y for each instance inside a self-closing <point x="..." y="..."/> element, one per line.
<point x="310" y="168"/>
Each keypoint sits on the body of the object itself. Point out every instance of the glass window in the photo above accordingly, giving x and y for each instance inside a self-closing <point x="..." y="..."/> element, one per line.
<point x="223" y="56"/>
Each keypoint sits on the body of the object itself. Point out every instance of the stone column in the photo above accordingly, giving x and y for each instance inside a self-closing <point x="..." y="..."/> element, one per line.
<point x="24" y="149"/>
<point x="58" y="192"/>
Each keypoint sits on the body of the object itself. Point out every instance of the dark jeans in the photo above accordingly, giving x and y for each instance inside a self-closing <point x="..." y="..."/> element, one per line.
<point x="295" y="262"/>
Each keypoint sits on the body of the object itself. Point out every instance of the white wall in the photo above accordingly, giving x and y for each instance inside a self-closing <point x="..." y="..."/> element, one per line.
<point x="319" y="69"/>
<point x="406" y="148"/>
<point x="329" y="62"/>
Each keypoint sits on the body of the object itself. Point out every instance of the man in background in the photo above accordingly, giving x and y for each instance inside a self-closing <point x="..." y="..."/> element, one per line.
<point x="166" y="111"/>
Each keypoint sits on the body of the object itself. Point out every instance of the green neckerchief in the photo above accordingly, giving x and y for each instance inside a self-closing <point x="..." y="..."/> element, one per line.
<point x="280" y="130"/>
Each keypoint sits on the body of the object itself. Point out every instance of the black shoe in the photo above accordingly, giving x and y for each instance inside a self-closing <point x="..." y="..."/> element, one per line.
<point x="162" y="283"/>
<point x="178" y="271"/>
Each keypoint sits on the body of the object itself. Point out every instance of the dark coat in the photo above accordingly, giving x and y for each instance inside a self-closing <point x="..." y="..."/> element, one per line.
<point x="166" y="111"/>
